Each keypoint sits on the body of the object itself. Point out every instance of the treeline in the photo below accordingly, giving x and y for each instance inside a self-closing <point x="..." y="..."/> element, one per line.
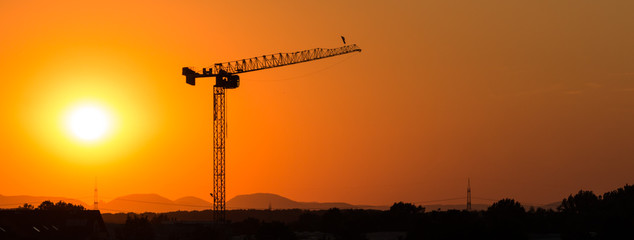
<point x="609" y="216"/>
<point x="51" y="206"/>
<point x="583" y="215"/>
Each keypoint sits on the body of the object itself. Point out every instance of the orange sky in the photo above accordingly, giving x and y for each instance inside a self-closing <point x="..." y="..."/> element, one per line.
<point x="532" y="100"/>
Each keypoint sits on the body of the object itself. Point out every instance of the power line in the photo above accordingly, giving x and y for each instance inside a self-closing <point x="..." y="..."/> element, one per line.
<point x="487" y="199"/>
<point x="441" y="200"/>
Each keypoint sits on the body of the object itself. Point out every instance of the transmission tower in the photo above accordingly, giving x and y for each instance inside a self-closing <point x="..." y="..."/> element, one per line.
<point x="226" y="75"/>
<point x="468" y="194"/>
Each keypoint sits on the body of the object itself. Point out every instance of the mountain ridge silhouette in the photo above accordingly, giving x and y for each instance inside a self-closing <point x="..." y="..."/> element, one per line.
<point x="20" y="200"/>
<point x="151" y="202"/>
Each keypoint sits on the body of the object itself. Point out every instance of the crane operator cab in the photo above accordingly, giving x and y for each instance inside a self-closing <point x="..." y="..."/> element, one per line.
<point x="226" y="80"/>
<point x="223" y="78"/>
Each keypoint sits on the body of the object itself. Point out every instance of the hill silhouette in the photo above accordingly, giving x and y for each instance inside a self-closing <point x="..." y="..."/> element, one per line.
<point x="261" y="201"/>
<point x="140" y="203"/>
<point x="264" y="200"/>
<point x="192" y="201"/>
<point x="15" y="201"/>
<point x="153" y="203"/>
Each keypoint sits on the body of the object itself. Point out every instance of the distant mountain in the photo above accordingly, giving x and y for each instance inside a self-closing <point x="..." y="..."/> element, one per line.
<point x="153" y="203"/>
<point x="193" y="202"/>
<point x="553" y="205"/>
<point x="16" y="201"/>
<point x="261" y="201"/>
<point x="264" y="200"/>
<point x="130" y="203"/>
<point x="140" y="203"/>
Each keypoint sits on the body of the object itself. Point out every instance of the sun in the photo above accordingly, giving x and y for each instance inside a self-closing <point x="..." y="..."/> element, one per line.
<point x="88" y="122"/>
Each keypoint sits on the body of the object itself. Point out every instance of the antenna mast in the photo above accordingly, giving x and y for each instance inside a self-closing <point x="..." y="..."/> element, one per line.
<point x="95" y="203"/>
<point x="468" y="194"/>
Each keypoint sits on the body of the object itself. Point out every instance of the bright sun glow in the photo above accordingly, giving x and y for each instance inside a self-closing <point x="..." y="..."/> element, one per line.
<point x="88" y="122"/>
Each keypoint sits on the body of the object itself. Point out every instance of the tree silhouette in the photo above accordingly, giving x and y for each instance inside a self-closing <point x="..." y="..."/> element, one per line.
<point x="332" y="221"/>
<point x="507" y="219"/>
<point x="274" y="231"/>
<point x="137" y="228"/>
<point x="249" y="226"/>
<point x="404" y="209"/>
<point x="404" y="216"/>
<point x="620" y="201"/>
<point x="26" y="206"/>
<point x="580" y="212"/>
<point x="617" y="207"/>
<point x="308" y="221"/>
<point x="507" y="207"/>
<point x="59" y="206"/>
<point x="584" y="202"/>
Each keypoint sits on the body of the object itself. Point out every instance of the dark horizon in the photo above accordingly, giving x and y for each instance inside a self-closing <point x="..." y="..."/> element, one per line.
<point x="582" y="215"/>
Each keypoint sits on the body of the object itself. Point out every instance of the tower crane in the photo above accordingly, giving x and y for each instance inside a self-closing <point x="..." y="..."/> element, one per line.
<point x="226" y="74"/>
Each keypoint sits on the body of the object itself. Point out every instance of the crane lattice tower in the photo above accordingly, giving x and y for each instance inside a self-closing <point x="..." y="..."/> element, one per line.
<point x="226" y="75"/>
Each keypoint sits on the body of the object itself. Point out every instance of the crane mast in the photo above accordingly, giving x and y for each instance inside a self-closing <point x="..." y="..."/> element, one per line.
<point x="226" y="74"/>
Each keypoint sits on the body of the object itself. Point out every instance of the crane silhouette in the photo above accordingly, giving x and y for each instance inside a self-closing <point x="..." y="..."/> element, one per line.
<point x="226" y="75"/>
<point x="344" y="40"/>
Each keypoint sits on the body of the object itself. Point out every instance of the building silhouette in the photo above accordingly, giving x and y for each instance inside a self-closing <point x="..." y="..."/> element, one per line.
<point x="51" y="224"/>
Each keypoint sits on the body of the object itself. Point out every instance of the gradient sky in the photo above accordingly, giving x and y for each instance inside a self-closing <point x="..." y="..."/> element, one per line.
<point x="532" y="100"/>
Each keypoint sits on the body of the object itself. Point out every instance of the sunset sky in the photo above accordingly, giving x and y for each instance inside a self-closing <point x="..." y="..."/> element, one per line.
<point x="531" y="100"/>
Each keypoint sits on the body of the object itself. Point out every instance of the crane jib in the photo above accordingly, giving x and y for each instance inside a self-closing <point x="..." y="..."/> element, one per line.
<point x="227" y="69"/>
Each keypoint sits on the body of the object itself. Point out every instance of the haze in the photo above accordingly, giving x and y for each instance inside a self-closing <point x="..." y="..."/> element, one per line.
<point x="531" y="100"/>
